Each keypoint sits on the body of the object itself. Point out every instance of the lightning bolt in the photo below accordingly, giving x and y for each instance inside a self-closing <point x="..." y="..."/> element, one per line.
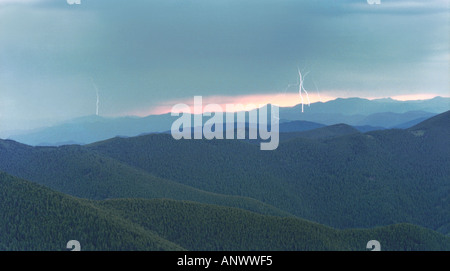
<point x="318" y="94"/>
<point x="301" y="88"/>
<point x="98" y="101"/>
<point x="98" y="97"/>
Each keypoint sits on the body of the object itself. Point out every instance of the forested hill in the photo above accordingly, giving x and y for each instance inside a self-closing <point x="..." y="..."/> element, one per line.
<point x="33" y="217"/>
<point x="207" y="227"/>
<point x="80" y="172"/>
<point x="437" y="126"/>
<point x="355" y="180"/>
<point x="321" y="133"/>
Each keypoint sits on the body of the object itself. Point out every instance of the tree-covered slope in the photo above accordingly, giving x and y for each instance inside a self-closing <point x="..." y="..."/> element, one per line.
<point x="356" y="180"/>
<point x="321" y="133"/>
<point x="83" y="173"/>
<point x="207" y="227"/>
<point x="33" y="217"/>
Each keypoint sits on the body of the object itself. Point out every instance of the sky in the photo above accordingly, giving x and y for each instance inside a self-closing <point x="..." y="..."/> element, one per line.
<point x="143" y="57"/>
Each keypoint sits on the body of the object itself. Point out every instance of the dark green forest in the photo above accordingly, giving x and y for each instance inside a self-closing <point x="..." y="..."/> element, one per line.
<point x="329" y="189"/>
<point x="33" y="217"/>
<point x="36" y="218"/>
<point x="356" y="180"/>
<point x="79" y="172"/>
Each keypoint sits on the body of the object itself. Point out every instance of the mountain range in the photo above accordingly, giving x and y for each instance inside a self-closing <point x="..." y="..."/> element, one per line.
<point x="363" y="114"/>
<point x="351" y="180"/>
<point x="325" y="188"/>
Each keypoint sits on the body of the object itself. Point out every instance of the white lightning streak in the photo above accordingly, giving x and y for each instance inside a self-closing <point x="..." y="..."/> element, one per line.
<point x="98" y="97"/>
<point x="317" y="89"/>
<point x="98" y="100"/>
<point x="302" y="88"/>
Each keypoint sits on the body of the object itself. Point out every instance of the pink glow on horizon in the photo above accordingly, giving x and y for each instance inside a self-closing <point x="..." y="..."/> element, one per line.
<point x="280" y="99"/>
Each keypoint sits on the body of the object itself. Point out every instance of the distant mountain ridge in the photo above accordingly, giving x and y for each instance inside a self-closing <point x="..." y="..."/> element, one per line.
<point x="365" y="107"/>
<point x="357" y="112"/>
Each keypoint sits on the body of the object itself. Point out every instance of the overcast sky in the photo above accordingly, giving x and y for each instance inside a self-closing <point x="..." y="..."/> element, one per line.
<point x="144" y="54"/>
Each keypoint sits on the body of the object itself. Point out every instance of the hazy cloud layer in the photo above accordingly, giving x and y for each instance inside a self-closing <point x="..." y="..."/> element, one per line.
<point x="142" y="53"/>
